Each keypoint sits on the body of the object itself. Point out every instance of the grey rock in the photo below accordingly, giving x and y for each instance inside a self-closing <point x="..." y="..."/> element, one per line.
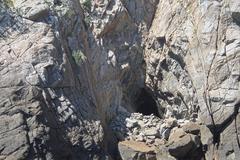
<point x="135" y="151"/>
<point x="163" y="154"/>
<point x="192" y="128"/>
<point x="207" y="142"/>
<point x="165" y="131"/>
<point x="35" y="72"/>
<point x="137" y="127"/>
<point x="68" y="69"/>
<point x="206" y="135"/>
<point x="181" y="147"/>
<point x="151" y="132"/>
<point x="131" y="123"/>
<point x="32" y="10"/>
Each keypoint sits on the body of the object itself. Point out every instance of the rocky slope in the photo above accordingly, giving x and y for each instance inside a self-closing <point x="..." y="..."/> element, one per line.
<point x="73" y="73"/>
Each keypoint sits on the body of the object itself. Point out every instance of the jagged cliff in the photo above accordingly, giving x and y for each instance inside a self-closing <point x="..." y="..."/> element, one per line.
<point x="73" y="73"/>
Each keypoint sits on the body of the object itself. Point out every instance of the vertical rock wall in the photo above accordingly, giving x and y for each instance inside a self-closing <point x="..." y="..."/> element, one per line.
<point x="193" y="65"/>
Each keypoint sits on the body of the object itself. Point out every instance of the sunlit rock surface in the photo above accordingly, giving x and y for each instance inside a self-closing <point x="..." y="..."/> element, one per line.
<point x="74" y="73"/>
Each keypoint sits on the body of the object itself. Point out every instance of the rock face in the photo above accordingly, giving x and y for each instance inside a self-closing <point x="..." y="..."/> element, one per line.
<point x="73" y="72"/>
<point x="44" y="112"/>
<point x="193" y="65"/>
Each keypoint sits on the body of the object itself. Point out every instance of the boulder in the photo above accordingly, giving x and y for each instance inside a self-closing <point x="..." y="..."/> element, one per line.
<point x="133" y="150"/>
<point x="207" y="142"/>
<point x="176" y="134"/>
<point x="206" y="135"/>
<point x="28" y="9"/>
<point x="151" y="132"/>
<point x="130" y="123"/>
<point x="162" y="154"/>
<point x="192" y="128"/>
<point x="171" y="122"/>
<point x="180" y="143"/>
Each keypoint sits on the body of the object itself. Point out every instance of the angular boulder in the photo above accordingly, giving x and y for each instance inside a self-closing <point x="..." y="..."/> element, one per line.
<point x="133" y="150"/>
<point x="192" y="128"/>
<point x="180" y="143"/>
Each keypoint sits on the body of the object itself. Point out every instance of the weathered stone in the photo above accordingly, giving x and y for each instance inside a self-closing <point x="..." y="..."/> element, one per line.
<point x="131" y="123"/>
<point x="171" y="122"/>
<point x="206" y="135"/>
<point x="151" y="132"/>
<point x="176" y="134"/>
<point x="181" y="146"/>
<point x="159" y="142"/>
<point x="192" y="128"/>
<point x="29" y="10"/>
<point x="137" y="127"/>
<point x="68" y="69"/>
<point x="135" y="151"/>
<point x="35" y="71"/>
<point x="162" y="154"/>
<point x="180" y="143"/>
<point x="165" y="132"/>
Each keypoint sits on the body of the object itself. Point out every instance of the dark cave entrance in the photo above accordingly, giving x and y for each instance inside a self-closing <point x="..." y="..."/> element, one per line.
<point x="146" y="104"/>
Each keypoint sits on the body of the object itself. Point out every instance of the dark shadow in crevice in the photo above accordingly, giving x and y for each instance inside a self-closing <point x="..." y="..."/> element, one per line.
<point x="235" y="17"/>
<point x="146" y="104"/>
<point x="164" y="65"/>
<point x="177" y="58"/>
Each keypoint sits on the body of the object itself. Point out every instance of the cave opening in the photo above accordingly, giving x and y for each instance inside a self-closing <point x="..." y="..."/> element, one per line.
<point x="146" y="104"/>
